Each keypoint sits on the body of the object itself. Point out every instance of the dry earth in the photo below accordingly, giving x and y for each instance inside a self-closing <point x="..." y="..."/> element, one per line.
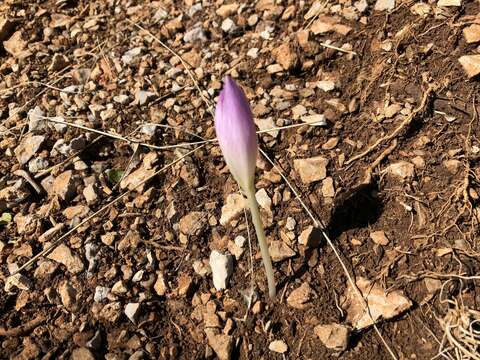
<point x="375" y="110"/>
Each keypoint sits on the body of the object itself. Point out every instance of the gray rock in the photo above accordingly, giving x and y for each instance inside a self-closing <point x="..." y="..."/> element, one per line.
<point x="194" y="9"/>
<point x="142" y="97"/>
<point x="101" y="293"/>
<point x="228" y="25"/>
<point x="130" y="55"/>
<point x="37" y="164"/>
<point x="28" y="147"/>
<point x="197" y="34"/>
<point x="121" y="99"/>
<point x="35" y="119"/>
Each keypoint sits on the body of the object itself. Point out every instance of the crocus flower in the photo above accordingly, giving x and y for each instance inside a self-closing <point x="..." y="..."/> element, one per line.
<point x="238" y="141"/>
<point x="236" y="133"/>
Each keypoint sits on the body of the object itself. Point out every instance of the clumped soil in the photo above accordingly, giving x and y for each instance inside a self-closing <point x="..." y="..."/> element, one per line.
<point x="75" y="59"/>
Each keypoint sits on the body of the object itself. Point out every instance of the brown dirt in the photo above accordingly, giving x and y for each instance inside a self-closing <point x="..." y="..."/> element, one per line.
<point x="168" y="326"/>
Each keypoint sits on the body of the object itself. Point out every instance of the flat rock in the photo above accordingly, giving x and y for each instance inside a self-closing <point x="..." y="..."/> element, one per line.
<point x="328" y="190"/>
<point x="111" y="312"/>
<point x="131" y="311"/>
<point x="274" y="68"/>
<point x="312" y="169"/>
<point x="129" y="56"/>
<point x="286" y="56"/>
<point x="227" y="10"/>
<point x="263" y="199"/>
<point x="59" y="62"/>
<point x="323" y="25"/>
<point x="63" y="255"/>
<point x="82" y="353"/>
<point x="64" y="185"/>
<point x="221" y="344"/>
<point x="16" y="46"/>
<point x="196" y="34"/>
<point x="90" y="193"/>
<point x="17" y="281"/>
<point x="449" y="3"/>
<point x="333" y="336"/>
<point x="267" y="124"/>
<point x="14" y="194"/>
<point x="278" y="346"/>
<point x="222" y="269"/>
<point x="28" y="147"/>
<point x="300" y="297"/>
<point x="193" y="223"/>
<point x="382" y="305"/>
<point x="421" y="9"/>
<point x="137" y="179"/>
<point x="382" y="5"/>
<point x="315" y="119"/>
<point x="310" y="237"/>
<point x="234" y="205"/>
<point x="472" y="33"/>
<point x="379" y="237"/>
<point x="119" y="288"/>
<point x="35" y="119"/>
<point x="134" y="179"/>
<point x="68" y="295"/>
<point x="326" y="85"/>
<point x="401" y="169"/>
<point x="471" y="64"/>
<point x="280" y="251"/>
<point x="185" y="283"/>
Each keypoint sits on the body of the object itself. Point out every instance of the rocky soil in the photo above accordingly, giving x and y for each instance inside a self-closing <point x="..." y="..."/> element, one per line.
<point x="123" y="235"/>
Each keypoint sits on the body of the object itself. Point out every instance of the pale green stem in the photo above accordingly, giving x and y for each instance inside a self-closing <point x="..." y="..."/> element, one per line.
<point x="257" y="222"/>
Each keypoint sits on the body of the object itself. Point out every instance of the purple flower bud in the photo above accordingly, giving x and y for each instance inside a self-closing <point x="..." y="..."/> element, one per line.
<point x="236" y="133"/>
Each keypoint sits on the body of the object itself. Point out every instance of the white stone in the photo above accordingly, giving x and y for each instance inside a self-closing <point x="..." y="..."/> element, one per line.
<point x="449" y="3"/>
<point x="63" y="255"/>
<point x="222" y="269"/>
<point x="382" y="5"/>
<point x="130" y="55"/>
<point x="253" y="53"/>
<point x="326" y="85"/>
<point x="315" y="119"/>
<point x="263" y="199"/>
<point x="35" y="119"/>
<point x="101" y="293"/>
<point x="278" y="346"/>
<point x="240" y="241"/>
<point x="470" y="64"/>
<point x="232" y="208"/>
<point x="194" y="35"/>
<point x="131" y="310"/>
<point x="228" y="25"/>
<point x="402" y="169"/>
